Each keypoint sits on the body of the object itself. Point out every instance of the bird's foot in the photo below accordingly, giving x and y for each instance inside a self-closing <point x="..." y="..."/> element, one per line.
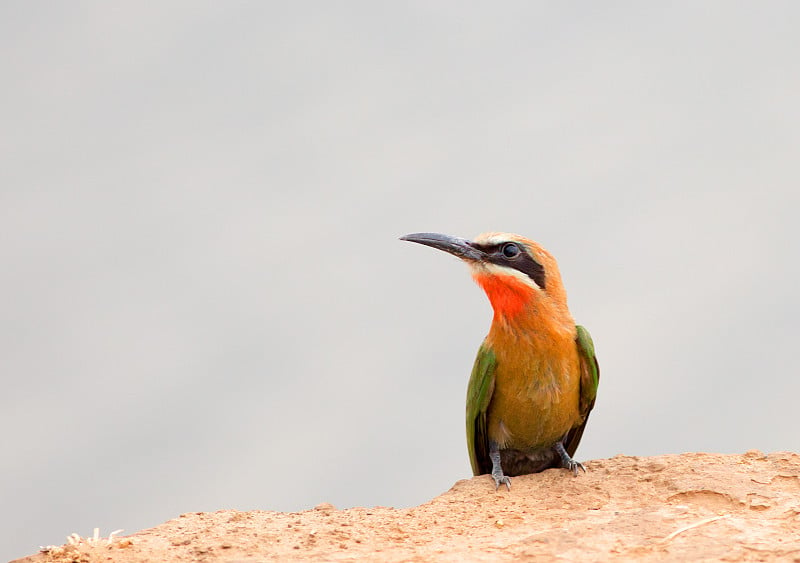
<point x="497" y="469"/>
<point x="567" y="462"/>
<point x="500" y="479"/>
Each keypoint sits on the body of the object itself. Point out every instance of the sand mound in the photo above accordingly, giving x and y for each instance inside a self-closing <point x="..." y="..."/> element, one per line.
<point x="673" y="507"/>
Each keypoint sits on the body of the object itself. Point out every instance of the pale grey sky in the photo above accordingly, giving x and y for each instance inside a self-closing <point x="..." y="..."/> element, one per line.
<point x="205" y="302"/>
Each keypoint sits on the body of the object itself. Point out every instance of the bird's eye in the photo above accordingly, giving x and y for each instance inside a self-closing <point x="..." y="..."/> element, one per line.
<point x="510" y="250"/>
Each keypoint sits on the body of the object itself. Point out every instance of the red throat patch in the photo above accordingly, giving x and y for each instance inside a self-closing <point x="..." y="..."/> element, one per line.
<point x="507" y="294"/>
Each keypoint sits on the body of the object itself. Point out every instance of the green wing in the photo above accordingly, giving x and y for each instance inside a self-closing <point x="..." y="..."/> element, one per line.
<point x="479" y="393"/>
<point x="590" y="378"/>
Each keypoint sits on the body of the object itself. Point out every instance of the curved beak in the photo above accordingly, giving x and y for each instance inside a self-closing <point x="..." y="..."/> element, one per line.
<point x="454" y="245"/>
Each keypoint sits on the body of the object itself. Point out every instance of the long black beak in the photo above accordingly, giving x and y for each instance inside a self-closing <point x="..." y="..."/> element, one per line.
<point x="456" y="246"/>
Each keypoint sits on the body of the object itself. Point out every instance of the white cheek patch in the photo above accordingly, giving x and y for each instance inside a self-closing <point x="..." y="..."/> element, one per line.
<point x="496" y="270"/>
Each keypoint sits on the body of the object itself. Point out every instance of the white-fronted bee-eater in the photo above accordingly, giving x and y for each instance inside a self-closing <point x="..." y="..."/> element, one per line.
<point x="535" y="379"/>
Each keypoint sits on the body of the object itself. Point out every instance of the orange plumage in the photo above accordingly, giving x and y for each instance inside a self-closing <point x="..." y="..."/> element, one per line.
<point x="532" y="333"/>
<point x="535" y="378"/>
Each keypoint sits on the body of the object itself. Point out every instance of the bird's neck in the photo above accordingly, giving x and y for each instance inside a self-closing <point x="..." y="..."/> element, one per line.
<point x="522" y="311"/>
<point x="508" y="295"/>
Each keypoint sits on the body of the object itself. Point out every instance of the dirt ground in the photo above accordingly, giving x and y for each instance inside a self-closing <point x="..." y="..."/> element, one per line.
<point x="688" y="507"/>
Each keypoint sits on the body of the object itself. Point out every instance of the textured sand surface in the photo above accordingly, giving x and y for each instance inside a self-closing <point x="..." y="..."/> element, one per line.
<point x="687" y="507"/>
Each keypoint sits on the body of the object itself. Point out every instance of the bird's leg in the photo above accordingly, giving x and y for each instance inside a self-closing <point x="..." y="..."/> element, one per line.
<point x="497" y="470"/>
<point x="566" y="461"/>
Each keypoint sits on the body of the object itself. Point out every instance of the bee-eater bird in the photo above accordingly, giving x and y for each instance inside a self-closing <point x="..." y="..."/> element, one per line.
<point x="535" y="379"/>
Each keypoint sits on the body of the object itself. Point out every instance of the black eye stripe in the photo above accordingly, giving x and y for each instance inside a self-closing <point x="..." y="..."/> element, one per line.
<point x="527" y="265"/>
<point x="522" y="262"/>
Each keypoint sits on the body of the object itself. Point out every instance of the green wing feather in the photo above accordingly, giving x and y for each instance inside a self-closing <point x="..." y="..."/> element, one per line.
<point x="590" y="379"/>
<point x="479" y="393"/>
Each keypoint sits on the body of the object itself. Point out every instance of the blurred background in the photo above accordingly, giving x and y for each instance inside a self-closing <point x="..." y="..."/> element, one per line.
<point x="204" y="302"/>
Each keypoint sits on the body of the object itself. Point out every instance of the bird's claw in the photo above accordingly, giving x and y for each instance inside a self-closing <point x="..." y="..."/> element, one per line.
<point x="501" y="479"/>
<point x="574" y="466"/>
<point x="566" y="461"/>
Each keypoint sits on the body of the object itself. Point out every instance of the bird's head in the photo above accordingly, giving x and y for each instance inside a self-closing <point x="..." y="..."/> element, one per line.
<point x="516" y="273"/>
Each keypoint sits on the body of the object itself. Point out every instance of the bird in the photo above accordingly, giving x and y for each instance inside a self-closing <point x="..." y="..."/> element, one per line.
<point x="535" y="377"/>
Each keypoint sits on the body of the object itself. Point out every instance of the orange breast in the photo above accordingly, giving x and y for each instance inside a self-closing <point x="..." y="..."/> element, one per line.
<point x="536" y="394"/>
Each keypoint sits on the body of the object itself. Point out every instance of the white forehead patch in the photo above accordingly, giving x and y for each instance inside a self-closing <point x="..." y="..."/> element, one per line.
<point x="493" y="238"/>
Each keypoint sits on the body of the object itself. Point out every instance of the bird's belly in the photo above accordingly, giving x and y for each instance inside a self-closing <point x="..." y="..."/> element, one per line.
<point x="518" y="462"/>
<point x="535" y="411"/>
